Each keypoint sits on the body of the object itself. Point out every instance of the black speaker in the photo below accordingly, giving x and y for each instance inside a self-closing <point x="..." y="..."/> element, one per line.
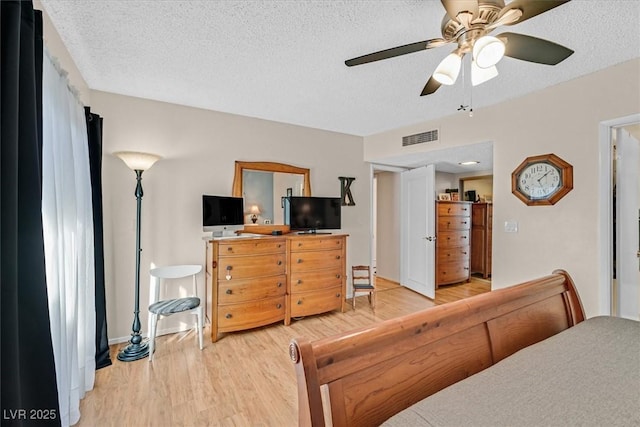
<point x="470" y="196"/>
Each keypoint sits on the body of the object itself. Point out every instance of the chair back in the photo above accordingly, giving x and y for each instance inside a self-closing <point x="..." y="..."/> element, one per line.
<point x="361" y="275"/>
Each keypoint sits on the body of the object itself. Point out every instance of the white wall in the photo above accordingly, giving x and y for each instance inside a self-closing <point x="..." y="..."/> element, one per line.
<point x="563" y="120"/>
<point x="199" y="148"/>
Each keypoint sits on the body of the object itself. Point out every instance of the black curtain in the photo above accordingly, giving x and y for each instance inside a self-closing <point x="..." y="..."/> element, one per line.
<point x="28" y="371"/>
<point x="94" y="133"/>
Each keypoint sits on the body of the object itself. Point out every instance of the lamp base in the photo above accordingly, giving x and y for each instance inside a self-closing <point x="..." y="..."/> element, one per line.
<point x="134" y="352"/>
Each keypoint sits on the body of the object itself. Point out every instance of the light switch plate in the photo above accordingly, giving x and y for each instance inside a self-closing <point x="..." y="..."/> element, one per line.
<point x="511" y="226"/>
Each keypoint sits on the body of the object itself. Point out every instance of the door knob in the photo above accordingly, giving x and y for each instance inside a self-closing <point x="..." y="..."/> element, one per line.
<point x="430" y="238"/>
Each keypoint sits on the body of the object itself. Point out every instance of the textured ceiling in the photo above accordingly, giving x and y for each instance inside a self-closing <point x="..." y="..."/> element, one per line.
<point x="284" y="60"/>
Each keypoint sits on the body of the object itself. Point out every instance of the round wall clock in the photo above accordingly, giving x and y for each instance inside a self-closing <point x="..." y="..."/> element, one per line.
<point x="542" y="180"/>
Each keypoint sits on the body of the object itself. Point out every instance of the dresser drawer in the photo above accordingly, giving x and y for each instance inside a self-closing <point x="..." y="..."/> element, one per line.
<point x="449" y="239"/>
<point x="453" y="223"/>
<point x="459" y="254"/>
<point x="456" y="209"/>
<point x="251" y="247"/>
<point x="250" y="314"/>
<point x="309" y="243"/>
<point x="452" y="272"/>
<point x="313" y="260"/>
<point x="251" y="266"/>
<point x="306" y="304"/>
<point x="312" y="280"/>
<point x="235" y="291"/>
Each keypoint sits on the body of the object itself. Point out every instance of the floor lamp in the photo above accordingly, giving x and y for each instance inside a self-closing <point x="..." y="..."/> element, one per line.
<point x="138" y="162"/>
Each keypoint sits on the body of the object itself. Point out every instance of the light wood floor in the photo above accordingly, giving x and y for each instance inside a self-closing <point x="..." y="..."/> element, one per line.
<point x="245" y="379"/>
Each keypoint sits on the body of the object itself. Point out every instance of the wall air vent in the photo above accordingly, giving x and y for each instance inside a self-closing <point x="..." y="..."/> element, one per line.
<point x="420" y="138"/>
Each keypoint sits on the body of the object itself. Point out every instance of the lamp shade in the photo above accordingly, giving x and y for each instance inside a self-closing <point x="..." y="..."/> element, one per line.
<point x="487" y="51"/>
<point x="481" y="75"/>
<point x="137" y="161"/>
<point x="448" y="70"/>
<point x="254" y="210"/>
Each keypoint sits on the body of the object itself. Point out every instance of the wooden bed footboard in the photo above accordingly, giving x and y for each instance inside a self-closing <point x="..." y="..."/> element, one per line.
<point x="365" y="376"/>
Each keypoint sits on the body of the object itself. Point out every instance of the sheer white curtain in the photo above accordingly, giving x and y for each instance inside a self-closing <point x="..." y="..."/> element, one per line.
<point x="68" y="240"/>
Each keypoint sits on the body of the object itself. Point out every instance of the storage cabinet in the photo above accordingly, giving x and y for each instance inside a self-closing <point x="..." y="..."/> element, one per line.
<point x="246" y="283"/>
<point x="481" y="238"/>
<point x="256" y="281"/>
<point x="453" y="242"/>
<point x="317" y="274"/>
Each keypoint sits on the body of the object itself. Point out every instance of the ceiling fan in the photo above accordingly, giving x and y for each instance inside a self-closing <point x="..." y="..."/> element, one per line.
<point x="468" y="23"/>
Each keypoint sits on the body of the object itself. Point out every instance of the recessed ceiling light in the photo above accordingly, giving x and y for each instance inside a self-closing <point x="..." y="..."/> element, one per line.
<point x="471" y="162"/>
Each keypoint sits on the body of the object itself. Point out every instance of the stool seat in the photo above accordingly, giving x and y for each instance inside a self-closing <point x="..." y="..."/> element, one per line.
<point x="172" y="306"/>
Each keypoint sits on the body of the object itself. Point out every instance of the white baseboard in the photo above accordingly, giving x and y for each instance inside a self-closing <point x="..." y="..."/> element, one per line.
<point x="159" y="333"/>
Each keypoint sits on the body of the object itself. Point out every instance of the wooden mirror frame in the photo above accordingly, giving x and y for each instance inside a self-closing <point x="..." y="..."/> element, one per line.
<point x="236" y="191"/>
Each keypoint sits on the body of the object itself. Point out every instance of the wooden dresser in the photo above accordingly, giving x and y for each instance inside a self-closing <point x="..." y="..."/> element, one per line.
<point x="246" y="283"/>
<point x="256" y="281"/>
<point x="453" y="242"/>
<point x="481" y="238"/>
<point x="317" y="273"/>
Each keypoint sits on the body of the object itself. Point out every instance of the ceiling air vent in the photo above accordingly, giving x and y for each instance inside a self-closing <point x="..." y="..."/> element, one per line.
<point x="419" y="138"/>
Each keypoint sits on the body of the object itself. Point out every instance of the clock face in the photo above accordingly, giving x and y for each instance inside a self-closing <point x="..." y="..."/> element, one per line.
<point x="539" y="180"/>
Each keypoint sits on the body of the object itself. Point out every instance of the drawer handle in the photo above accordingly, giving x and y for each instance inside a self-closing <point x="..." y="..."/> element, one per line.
<point x="464" y="253"/>
<point x="228" y="276"/>
<point x="448" y="210"/>
<point x="299" y="260"/>
<point x="229" y="292"/>
<point x="299" y="244"/>
<point x="278" y="305"/>
<point x="279" y="284"/>
<point x="337" y="256"/>
<point x="279" y="262"/>
<point x="337" y="276"/>
<point x="279" y="246"/>
<point x="338" y="295"/>
<point x="299" y="281"/>
<point x="464" y="222"/>
<point x="448" y="238"/>
<point x="299" y="302"/>
<point x="463" y="237"/>
<point x="466" y="268"/>
<point x="229" y="248"/>
<point x="228" y="316"/>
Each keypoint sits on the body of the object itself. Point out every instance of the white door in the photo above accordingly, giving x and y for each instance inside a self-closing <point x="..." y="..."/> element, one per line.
<point x="627" y="211"/>
<point x="417" y="230"/>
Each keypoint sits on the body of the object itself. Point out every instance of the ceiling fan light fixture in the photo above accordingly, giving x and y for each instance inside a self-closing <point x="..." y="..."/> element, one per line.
<point x="481" y="75"/>
<point x="487" y="51"/>
<point x="447" y="71"/>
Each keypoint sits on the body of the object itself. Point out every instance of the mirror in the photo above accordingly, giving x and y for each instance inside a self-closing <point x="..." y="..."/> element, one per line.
<point x="263" y="186"/>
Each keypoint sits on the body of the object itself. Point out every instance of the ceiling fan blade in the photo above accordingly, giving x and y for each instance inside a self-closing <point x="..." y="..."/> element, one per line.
<point x="395" y="51"/>
<point x="533" y="49"/>
<point x="431" y="86"/>
<point x="454" y="7"/>
<point x="530" y="8"/>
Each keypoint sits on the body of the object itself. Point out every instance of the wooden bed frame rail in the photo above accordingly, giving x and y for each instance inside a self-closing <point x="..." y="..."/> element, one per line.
<point x="365" y="376"/>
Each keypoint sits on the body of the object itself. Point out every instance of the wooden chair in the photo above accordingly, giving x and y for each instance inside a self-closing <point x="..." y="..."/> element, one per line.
<point x="362" y="282"/>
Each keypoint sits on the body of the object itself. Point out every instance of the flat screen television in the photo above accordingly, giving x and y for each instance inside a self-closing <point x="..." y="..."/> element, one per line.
<point x="221" y="215"/>
<point x="309" y="214"/>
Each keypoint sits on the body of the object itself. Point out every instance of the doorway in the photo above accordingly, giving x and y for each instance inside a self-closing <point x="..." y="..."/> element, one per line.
<point x="619" y="229"/>
<point x="386" y="200"/>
